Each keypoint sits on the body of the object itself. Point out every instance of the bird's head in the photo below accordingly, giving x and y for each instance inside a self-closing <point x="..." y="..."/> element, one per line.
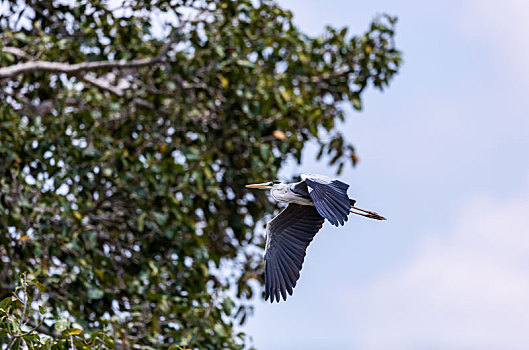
<point x="265" y="185"/>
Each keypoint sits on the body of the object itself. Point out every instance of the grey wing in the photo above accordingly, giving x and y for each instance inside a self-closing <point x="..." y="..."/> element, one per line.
<point x="329" y="197"/>
<point x="301" y="189"/>
<point x="287" y="237"/>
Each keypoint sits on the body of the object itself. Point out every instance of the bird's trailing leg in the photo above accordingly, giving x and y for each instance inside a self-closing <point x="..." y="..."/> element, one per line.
<point x="366" y="213"/>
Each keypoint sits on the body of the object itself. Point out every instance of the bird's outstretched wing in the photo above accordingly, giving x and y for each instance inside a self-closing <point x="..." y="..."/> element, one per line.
<point x="329" y="197"/>
<point x="287" y="237"/>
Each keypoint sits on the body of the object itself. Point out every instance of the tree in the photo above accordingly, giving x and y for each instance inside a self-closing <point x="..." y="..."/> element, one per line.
<point x="127" y="132"/>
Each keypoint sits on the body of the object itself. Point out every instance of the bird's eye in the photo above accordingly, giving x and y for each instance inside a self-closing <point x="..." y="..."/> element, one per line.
<point x="275" y="182"/>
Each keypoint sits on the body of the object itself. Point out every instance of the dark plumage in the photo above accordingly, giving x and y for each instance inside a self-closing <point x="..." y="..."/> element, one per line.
<point x="288" y="235"/>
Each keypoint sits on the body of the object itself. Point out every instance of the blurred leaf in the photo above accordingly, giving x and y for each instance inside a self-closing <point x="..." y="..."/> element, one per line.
<point x="77" y="215"/>
<point x="357" y="103"/>
<point x="95" y="293"/>
<point x="278" y="134"/>
<point x="223" y="81"/>
<point x="5" y="302"/>
<point x="74" y="331"/>
<point x="62" y="324"/>
<point x="40" y="286"/>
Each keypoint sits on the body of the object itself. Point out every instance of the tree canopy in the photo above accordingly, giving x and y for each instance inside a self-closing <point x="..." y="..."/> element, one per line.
<point x="127" y="132"/>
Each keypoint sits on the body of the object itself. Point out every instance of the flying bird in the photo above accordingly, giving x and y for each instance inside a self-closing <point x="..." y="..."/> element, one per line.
<point x="288" y="235"/>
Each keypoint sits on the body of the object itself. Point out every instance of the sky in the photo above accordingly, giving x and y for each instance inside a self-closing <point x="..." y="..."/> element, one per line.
<point x="443" y="155"/>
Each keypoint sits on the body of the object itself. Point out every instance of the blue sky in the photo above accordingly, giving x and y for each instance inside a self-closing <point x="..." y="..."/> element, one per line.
<point x="443" y="154"/>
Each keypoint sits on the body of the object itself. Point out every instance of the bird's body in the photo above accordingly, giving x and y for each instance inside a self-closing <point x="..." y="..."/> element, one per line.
<point x="288" y="235"/>
<point x="289" y="193"/>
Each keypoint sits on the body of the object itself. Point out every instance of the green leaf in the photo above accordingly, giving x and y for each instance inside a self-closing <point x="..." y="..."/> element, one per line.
<point x="219" y="330"/>
<point x="6" y="302"/>
<point x="74" y="331"/>
<point x="141" y="221"/>
<point x="40" y="286"/>
<point x="95" y="293"/>
<point x="265" y="151"/>
<point x="357" y="103"/>
<point x="160" y="218"/>
<point x="223" y="81"/>
<point x="62" y="325"/>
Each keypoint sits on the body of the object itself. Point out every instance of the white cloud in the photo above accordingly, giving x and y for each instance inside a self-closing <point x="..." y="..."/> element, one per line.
<point x="464" y="289"/>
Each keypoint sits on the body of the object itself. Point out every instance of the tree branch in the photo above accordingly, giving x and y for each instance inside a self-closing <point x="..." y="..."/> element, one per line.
<point x="325" y="77"/>
<point x="103" y="85"/>
<point x="17" y="52"/>
<point x="56" y="67"/>
<point x="73" y="69"/>
<point x="42" y="329"/>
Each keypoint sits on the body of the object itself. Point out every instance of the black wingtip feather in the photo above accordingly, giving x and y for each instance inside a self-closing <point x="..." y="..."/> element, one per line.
<point x="290" y="234"/>
<point x="330" y="200"/>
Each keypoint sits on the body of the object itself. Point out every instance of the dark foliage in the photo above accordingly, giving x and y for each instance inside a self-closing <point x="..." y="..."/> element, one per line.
<point x="125" y="145"/>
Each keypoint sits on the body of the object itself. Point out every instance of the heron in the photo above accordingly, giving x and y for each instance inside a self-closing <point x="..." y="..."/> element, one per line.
<point x="310" y="202"/>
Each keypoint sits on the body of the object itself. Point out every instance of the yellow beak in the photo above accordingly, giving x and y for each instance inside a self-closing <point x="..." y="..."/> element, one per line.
<point x="263" y="185"/>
